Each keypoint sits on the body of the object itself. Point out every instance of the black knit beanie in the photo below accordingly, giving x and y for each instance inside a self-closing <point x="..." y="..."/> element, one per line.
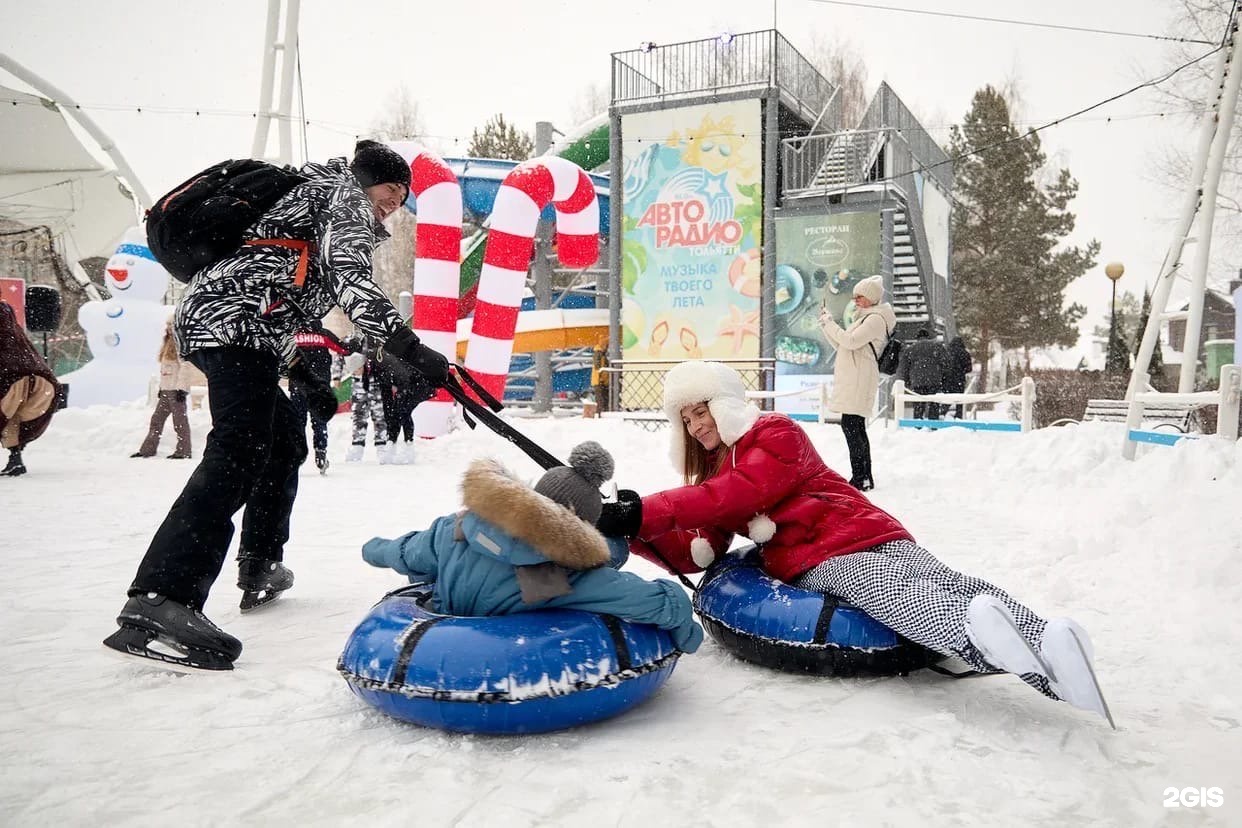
<point x="375" y="163"/>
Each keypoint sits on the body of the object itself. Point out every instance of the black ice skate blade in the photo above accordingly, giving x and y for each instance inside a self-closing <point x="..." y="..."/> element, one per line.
<point x="136" y="642"/>
<point x="253" y="600"/>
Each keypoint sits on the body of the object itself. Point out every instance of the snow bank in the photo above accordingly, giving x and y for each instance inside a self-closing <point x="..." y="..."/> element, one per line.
<point x="1145" y="554"/>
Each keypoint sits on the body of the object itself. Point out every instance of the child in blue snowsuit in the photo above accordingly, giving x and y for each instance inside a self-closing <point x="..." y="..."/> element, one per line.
<point x="515" y="549"/>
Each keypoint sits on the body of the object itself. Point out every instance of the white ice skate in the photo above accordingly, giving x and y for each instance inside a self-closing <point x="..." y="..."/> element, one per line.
<point x="991" y="628"/>
<point x="354" y="455"/>
<point x="403" y="453"/>
<point x="1066" y="649"/>
<point x="384" y="453"/>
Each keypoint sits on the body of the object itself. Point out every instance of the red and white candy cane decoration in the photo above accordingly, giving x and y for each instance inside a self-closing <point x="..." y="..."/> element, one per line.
<point x="526" y="190"/>
<point x="437" y="270"/>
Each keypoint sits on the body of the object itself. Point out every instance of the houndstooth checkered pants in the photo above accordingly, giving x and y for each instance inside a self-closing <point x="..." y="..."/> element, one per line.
<point x="905" y="587"/>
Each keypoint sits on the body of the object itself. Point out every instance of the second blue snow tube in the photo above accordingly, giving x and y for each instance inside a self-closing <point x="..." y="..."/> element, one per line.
<point x="766" y="621"/>
<point x="529" y="672"/>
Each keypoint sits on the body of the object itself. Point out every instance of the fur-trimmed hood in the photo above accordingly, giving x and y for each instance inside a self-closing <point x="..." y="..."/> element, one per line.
<point x="495" y="495"/>
<point x="716" y="384"/>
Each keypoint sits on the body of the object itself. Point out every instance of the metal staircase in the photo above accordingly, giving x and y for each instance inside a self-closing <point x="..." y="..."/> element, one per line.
<point x="882" y="164"/>
<point x="909" y="298"/>
<point x="851" y="159"/>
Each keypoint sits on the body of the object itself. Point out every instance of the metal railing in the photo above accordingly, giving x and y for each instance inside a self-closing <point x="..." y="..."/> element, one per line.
<point x="755" y="60"/>
<point x="851" y="153"/>
<point x="640" y="382"/>
<point x="802" y="157"/>
<point x="887" y="111"/>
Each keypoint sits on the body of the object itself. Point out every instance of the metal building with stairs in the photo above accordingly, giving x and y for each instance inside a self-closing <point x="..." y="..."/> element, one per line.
<point x="887" y="162"/>
<point x="814" y="163"/>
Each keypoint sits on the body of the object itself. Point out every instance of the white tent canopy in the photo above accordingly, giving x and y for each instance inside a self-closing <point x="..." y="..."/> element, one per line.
<point x="48" y="178"/>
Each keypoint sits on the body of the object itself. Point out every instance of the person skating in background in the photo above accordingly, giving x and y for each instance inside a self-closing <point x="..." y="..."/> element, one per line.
<point x="176" y="377"/>
<point x="366" y="400"/>
<point x="515" y="549"/>
<point x="857" y="373"/>
<point x="960" y="366"/>
<point x="316" y="348"/>
<point x="28" y="390"/>
<point x="758" y="475"/>
<point x="924" y="364"/>
<point x="236" y="321"/>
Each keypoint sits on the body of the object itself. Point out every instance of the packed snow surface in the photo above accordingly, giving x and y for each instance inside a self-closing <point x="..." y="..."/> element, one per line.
<point x="1147" y="555"/>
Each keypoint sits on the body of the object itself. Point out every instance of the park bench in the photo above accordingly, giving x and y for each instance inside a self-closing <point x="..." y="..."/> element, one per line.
<point x="1175" y="416"/>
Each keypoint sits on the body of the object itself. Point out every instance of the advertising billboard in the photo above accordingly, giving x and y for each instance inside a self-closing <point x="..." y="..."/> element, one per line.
<point x="819" y="260"/>
<point x="692" y="232"/>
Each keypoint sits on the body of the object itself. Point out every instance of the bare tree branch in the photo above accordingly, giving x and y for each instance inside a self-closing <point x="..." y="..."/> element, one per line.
<point x="1185" y="96"/>
<point x="401" y="120"/>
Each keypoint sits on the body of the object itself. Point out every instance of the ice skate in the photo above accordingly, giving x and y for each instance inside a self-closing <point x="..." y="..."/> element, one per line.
<point x="321" y="461"/>
<point x="261" y="582"/>
<point x="1067" y="650"/>
<point x="402" y="453"/>
<point x="155" y="627"/>
<point x="991" y="628"/>
<point x="384" y="453"/>
<point x="354" y="455"/>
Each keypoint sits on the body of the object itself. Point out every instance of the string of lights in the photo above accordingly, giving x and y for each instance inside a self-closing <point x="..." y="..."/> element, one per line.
<point x="356" y="132"/>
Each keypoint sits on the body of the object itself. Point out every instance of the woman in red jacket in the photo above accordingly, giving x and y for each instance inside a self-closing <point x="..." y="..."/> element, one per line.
<point x="758" y="475"/>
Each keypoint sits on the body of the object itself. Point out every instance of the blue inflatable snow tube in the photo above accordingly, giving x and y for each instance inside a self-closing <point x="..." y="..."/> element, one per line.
<point x="766" y="621"/>
<point x="530" y="672"/>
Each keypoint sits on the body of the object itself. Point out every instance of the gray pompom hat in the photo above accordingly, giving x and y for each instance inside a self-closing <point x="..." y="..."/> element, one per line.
<point x="576" y="486"/>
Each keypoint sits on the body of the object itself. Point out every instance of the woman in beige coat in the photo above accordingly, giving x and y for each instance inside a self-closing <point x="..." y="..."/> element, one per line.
<point x="175" y="379"/>
<point x="857" y="375"/>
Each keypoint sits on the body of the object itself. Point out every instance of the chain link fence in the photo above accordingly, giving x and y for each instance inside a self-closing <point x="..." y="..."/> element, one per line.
<point x="638" y="386"/>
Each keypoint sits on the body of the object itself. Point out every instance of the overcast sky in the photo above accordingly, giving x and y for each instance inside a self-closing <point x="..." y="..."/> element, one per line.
<point x="465" y="61"/>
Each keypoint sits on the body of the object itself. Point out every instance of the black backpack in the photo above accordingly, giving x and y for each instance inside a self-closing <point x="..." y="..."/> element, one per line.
<point x="204" y="219"/>
<point x="890" y="358"/>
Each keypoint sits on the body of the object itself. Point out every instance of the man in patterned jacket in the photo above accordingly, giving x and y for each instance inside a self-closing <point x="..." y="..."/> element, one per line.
<point x="310" y="251"/>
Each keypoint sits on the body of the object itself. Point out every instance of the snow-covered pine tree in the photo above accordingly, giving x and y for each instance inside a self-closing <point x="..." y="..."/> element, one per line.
<point x="500" y="139"/>
<point x="1010" y="269"/>
<point x="1116" y="359"/>
<point x="1155" y="370"/>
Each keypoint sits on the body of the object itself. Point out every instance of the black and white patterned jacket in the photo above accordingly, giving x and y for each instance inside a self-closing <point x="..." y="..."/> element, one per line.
<point x="250" y="298"/>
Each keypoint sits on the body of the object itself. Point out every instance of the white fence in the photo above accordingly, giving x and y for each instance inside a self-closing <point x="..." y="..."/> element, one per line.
<point x="1023" y="393"/>
<point x="1226" y="400"/>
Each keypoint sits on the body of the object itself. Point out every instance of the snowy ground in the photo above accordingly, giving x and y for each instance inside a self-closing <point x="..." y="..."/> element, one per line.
<point x="1146" y="555"/>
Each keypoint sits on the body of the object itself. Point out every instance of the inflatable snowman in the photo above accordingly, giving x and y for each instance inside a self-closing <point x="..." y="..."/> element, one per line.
<point x="124" y="332"/>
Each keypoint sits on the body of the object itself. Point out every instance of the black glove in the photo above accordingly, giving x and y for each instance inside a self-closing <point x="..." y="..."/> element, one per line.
<point x="622" y="519"/>
<point x="321" y="401"/>
<point x="430" y="363"/>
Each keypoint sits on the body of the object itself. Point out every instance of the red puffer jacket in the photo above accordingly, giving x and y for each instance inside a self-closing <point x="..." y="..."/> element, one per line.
<point x="775" y="489"/>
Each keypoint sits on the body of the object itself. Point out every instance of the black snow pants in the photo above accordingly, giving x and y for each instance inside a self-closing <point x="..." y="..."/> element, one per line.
<point x="253" y="452"/>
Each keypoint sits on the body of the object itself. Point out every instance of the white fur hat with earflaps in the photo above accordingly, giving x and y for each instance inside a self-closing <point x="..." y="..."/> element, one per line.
<point x="719" y="386"/>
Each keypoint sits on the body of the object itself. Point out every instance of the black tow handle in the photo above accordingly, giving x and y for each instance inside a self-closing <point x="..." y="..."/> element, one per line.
<point x="484" y="412"/>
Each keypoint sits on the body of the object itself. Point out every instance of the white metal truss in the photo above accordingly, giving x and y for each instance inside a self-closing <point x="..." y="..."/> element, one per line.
<point x="286" y="50"/>
<point x="1200" y="204"/>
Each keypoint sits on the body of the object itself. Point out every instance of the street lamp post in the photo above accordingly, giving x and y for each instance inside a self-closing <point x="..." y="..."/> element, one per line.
<point x="1113" y="271"/>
